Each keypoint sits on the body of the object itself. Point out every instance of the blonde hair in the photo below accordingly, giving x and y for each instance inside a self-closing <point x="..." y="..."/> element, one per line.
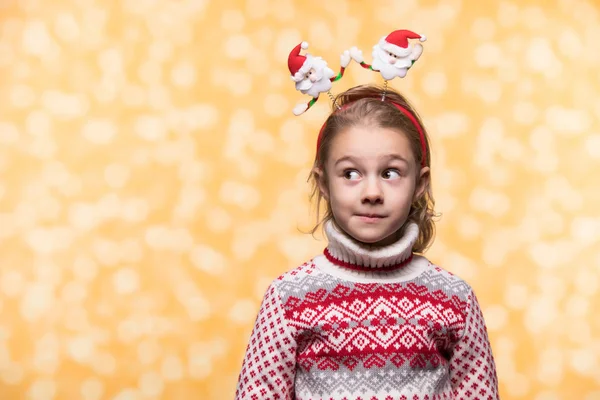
<point x="360" y="106"/>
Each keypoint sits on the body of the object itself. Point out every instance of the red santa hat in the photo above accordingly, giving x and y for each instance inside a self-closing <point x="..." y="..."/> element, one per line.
<point x="397" y="41"/>
<point x="299" y="65"/>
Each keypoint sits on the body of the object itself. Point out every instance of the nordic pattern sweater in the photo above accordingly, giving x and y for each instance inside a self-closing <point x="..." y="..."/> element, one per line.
<point x="363" y="323"/>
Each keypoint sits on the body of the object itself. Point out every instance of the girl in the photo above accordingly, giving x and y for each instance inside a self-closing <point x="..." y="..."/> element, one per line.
<point x="371" y="318"/>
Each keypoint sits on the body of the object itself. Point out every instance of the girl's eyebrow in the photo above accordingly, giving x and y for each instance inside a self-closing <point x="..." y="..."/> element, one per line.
<point x="346" y="158"/>
<point x="392" y="156"/>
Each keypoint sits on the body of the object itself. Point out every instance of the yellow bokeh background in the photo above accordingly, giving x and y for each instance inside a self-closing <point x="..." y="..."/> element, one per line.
<point x="153" y="182"/>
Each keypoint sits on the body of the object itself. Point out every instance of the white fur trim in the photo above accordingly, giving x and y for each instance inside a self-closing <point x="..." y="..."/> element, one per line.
<point x="304" y="45"/>
<point x="308" y="63"/>
<point x="345" y="248"/>
<point x="397" y="50"/>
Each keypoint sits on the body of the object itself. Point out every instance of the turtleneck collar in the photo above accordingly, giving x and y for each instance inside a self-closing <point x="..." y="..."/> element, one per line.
<point x="345" y="251"/>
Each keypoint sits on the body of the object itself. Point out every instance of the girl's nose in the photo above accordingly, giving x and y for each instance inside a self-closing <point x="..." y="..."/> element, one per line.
<point x="372" y="192"/>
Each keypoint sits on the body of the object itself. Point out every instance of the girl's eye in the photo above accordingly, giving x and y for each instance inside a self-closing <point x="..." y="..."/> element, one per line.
<point x="351" y="175"/>
<point x="391" y="174"/>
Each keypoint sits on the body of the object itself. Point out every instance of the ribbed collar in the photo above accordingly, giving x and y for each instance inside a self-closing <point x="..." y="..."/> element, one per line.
<point x="347" y="252"/>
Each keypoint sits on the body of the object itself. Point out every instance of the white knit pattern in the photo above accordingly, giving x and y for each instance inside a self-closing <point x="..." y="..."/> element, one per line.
<point x="345" y="248"/>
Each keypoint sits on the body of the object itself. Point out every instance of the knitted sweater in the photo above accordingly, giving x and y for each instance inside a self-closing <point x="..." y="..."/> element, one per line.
<point x="364" y="323"/>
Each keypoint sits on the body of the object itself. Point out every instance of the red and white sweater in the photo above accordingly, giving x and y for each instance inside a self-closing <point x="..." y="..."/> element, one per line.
<point x="364" y="323"/>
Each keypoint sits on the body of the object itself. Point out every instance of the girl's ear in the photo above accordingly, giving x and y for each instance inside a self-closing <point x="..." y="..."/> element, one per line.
<point x="322" y="182"/>
<point x="422" y="183"/>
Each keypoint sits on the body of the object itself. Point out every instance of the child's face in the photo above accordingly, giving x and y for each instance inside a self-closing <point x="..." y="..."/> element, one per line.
<point x="373" y="180"/>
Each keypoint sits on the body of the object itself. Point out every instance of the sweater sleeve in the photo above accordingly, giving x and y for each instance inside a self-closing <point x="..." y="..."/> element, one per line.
<point x="269" y="367"/>
<point x="472" y="368"/>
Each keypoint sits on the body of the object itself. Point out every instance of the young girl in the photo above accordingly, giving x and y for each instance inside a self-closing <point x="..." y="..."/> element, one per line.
<point x="371" y="318"/>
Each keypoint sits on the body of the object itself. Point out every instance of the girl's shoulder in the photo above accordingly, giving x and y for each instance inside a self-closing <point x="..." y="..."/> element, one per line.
<point x="438" y="276"/>
<point x="298" y="273"/>
<point x="296" y="281"/>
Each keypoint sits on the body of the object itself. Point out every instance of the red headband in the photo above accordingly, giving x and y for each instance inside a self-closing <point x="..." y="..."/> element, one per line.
<point x="404" y="111"/>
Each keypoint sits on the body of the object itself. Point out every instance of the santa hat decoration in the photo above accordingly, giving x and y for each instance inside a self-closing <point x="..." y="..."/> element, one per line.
<point x="298" y="64"/>
<point x="397" y="41"/>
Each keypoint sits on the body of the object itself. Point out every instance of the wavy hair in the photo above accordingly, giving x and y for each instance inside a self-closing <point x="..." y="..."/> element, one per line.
<point x="362" y="106"/>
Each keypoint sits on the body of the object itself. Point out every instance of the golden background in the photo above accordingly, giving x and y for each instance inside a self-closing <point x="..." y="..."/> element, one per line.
<point x="153" y="182"/>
